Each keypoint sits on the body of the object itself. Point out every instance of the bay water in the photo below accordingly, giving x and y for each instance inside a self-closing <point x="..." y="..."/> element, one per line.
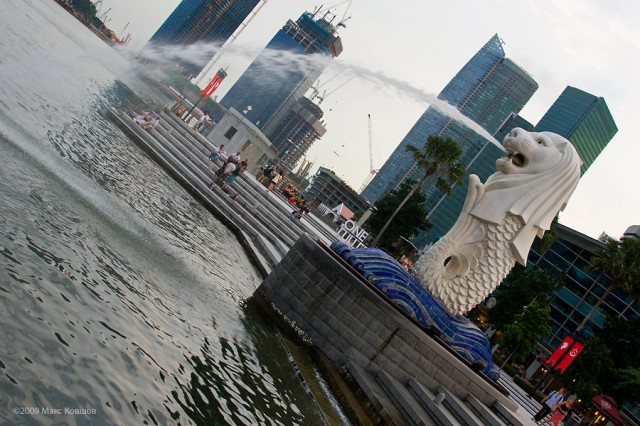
<point x="122" y="300"/>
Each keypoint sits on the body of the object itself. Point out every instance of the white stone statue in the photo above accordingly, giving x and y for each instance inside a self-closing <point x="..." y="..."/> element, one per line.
<point x="500" y="219"/>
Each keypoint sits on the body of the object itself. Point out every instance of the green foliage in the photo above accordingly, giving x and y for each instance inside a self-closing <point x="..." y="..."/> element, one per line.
<point x="620" y="261"/>
<point x="437" y="157"/>
<point x="408" y="220"/>
<point x="520" y="288"/>
<point x="509" y="370"/>
<point x="85" y="7"/>
<point x="521" y="336"/>
<point x="590" y="369"/>
<point x="628" y="385"/>
<point x="622" y="337"/>
<point x="609" y="363"/>
<point x="526" y="386"/>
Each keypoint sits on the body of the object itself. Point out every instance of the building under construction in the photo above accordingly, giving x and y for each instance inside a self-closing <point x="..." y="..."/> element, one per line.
<point x="275" y="84"/>
<point x="297" y="132"/>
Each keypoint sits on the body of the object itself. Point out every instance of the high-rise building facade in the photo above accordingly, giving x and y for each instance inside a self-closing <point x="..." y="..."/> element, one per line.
<point x="571" y="254"/>
<point x="282" y="73"/>
<point x="202" y="21"/>
<point x="582" y="118"/>
<point x="327" y="188"/>
<point x="300" y="129"/>
<point x="489" y="89"/>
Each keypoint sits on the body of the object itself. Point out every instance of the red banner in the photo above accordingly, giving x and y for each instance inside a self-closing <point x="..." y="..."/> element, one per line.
<point x="571" y="355"/>
<point x="555" y="357"/>
<point x="214" y="83"/>
<point x="212" y="86"/>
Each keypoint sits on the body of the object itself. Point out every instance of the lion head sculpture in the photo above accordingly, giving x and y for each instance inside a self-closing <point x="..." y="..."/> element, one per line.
<point x="534" y="181"/>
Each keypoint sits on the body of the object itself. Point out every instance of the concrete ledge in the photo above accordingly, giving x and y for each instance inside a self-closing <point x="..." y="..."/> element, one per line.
<point x="391" y="342"/>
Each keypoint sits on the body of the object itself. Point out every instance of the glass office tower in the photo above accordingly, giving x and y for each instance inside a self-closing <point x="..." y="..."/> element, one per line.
<point x="206" y="21"/>
<point x="582" y="118"/>
<point x="489" y="89"/>
<point x="283" y="72"/>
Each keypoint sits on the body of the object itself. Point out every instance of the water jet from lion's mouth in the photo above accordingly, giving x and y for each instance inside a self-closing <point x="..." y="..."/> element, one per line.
<point x="279" y="61"/>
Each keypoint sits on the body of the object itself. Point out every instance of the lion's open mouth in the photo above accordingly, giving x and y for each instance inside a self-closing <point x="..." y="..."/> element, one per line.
<point x="516" y="158"/>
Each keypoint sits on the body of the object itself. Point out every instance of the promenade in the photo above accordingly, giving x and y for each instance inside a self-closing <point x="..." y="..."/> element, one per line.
<point x="259" y="219"/>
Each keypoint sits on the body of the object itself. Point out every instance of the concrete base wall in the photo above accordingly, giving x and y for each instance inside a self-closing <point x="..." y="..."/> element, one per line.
<point x="349" y="321"/>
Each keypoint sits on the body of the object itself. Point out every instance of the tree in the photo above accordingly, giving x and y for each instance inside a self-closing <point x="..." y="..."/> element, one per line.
<point x="622" y="336"/>
<point x="522" y="286"/>
<point x="437" y="157"/>
<point x="628" y="386"/>
<point x="521" y="336"/>
<point x="593" y="366"/>
<point x="406" y="223"/>
<point x="620" y="261"/>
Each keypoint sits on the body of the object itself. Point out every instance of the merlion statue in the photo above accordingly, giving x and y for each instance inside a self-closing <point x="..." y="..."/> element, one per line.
<point x="500" y="219"/>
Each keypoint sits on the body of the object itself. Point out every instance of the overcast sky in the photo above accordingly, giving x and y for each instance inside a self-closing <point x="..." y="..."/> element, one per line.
<point x="406" y="52"/>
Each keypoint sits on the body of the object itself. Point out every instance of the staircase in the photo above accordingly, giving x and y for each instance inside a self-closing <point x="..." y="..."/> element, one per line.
<point x="414" y="403"/>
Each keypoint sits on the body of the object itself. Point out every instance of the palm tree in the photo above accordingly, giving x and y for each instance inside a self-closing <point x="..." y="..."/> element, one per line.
<point x="439" y="155"/>
<point x="620" y="261"/>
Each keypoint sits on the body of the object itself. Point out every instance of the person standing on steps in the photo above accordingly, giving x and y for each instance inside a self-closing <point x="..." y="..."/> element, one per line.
<point x="266" y="174"/>
<point x="205" y="119"/>
<point x="215" y="154"/>
<point x="560" y="412"/>
<point x="222" y="174"/>
<point x="549" y="403"/>
<point x="275" y="180"/>
<point x="233" y="175"/>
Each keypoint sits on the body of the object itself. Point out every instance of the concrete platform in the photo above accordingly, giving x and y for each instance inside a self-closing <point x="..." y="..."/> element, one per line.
<point x="409" y="376"/>
<point x="259" y="219"/>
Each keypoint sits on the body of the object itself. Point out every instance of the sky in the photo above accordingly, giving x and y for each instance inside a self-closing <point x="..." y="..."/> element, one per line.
<point x="397" y="59"/>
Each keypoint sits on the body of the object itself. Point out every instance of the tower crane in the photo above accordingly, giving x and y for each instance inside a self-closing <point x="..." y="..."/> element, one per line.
<point x="372" y="170"/>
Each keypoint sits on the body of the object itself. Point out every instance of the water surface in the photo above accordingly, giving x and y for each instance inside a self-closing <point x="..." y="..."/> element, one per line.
<point x="120" y="297"/>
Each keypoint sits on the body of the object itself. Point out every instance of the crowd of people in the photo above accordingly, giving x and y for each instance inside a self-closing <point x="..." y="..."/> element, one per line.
<point x="269" y="176"/>
<point x="226" y="175"/>
<point x="296" y="199"/>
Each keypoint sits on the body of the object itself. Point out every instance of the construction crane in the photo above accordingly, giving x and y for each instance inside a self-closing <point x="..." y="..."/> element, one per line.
<point x="372" y="169"/>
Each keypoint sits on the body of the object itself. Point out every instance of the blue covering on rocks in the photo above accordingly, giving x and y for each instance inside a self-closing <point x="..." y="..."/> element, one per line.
<point x="402" y="288"/>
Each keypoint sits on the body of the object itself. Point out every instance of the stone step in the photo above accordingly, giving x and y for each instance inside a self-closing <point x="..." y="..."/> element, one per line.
<point x="506" y="415"/>
<point x="413" y="411"/>
<point x="376" y="395"/>
<point x="456" y="407"/>
<point x="516" y="393"/>
<point x="482" y="412"/>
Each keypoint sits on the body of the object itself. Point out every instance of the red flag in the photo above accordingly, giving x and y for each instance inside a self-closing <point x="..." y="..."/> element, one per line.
<point x="555" y="357"/>
<point x="571" y="355"/>
<point x="213" y="84"/>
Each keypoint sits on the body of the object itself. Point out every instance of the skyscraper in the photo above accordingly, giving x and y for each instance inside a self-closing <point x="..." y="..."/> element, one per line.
<point x="284" y="71"/>
<point x="489" y="89"/>
<point x="207" y="21"/>
<point x="300" y="129"/>
<point x="582" y="118"/>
